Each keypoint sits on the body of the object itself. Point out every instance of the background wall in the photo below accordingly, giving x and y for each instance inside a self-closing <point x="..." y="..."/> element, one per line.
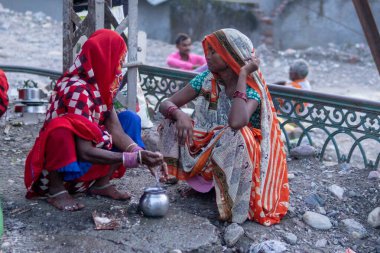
<point x="292" y="23"/>
<point x="305" y="23"/>
<point x="52" y="8"/>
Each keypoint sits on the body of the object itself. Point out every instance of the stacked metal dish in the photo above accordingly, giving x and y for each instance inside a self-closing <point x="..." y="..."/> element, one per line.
<point x="31" y="100"/>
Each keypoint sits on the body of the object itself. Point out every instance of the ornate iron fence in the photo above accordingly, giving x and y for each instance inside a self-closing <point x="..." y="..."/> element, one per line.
<point x="346" y="126"/>
<point x="52" y="74"/>
<point x="325" y="121"/>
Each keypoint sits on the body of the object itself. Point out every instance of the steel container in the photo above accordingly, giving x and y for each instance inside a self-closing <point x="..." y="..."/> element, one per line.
<point x="30" y="94"/>
<point x="154" y="202"/>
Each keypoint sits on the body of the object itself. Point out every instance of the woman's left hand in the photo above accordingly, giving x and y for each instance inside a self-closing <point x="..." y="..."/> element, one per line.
<point x="151" y="159"/>
<point x="252" y="64"/>
<point x="163" y="168"/>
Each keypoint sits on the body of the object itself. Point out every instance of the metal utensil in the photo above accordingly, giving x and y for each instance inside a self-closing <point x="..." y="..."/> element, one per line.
<point x="154" y="202"/>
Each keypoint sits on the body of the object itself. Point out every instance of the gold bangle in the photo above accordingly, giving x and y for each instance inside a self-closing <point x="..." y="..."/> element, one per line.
<point x="140" y="159"/>
<point x="130" y="145"/>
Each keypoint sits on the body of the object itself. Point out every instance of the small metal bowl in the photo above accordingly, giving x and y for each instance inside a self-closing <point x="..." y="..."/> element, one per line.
<point x="154" y="202"/>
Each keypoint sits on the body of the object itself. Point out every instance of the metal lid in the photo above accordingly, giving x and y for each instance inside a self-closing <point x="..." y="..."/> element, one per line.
<point x="154" y="190"/>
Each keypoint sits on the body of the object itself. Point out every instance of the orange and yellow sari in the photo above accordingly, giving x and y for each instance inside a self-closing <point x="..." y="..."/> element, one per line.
<point x="247" y="166"/>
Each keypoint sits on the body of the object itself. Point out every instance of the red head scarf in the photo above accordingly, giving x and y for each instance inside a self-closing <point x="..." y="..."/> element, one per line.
<point x="233" y="47"/>
<point x="90" y="84"/>
<point x="102" y="53"/>
<point x="3" y="93"/>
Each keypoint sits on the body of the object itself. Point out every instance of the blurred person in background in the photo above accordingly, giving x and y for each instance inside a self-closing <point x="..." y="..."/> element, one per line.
<point x="183" y="59"/>
<point x="298" y="72"/>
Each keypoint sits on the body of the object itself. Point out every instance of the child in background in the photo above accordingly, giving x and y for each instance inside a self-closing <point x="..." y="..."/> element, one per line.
<point x="298" y="72"/>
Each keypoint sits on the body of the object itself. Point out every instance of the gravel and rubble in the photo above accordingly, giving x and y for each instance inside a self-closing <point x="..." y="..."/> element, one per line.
<point x="332" y="224"/>
<point x="330" y="211"/>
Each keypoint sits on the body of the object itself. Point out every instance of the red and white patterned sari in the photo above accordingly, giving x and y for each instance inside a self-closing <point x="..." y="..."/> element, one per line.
<point x="80" y="103"/>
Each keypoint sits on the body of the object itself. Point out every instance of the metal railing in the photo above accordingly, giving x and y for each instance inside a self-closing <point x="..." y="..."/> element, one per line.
<point x="326" y="121"/>
<point x="344" y="125"/>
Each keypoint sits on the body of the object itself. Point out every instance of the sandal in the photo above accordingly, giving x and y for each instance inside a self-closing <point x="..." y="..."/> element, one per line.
<point x="64" y="201"/>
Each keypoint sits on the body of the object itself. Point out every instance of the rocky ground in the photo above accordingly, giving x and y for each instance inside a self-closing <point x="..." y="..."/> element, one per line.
<point x="328" y="213"/>
<point x="330" y="204"/>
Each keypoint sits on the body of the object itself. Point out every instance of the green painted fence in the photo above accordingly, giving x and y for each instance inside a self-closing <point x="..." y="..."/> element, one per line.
<point x="338" y="126"/>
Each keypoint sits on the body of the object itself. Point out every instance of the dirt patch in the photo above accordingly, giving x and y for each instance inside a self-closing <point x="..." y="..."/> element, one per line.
<point x="36" y="226"/>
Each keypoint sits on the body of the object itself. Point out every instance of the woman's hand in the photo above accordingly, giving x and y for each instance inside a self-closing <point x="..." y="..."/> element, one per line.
<point x="252" y="64"/>
<point x="184" y="125"/>
<point x="151" y="159"/>
<point x="164" y="171"/>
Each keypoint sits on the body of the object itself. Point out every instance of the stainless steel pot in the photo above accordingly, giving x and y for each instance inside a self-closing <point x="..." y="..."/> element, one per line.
<point x="34" y="109"/>
<point x="38" y="108"/>
<point x="30" y="94"/>
<point x="154" y="202"/>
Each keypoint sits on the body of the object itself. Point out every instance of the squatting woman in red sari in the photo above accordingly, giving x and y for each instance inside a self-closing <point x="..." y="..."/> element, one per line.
<point x="233" y="141"/>
<point x="73" y="150"/>
<point x="4" y="86"/>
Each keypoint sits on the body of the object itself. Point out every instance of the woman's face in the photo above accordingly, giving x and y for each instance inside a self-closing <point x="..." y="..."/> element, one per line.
<point x="214" y="61"/>
<point x="118" y="77"/>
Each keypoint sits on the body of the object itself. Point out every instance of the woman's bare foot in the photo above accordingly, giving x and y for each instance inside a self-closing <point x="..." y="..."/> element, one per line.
<point x="63" y="201"/>
<point x="109" y="191"/>
<point x="186" y="191"/>
<point x="169" y="180"/>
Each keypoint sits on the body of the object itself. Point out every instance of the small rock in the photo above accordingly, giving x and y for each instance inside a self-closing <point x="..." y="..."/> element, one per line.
<point x="374" y="175"/>
<point x="7" y="129"/>
<point x="175" y="251"/>
<point x="321" y="210"/>
<point x="291" y="176"/>
<point x="291" y="210"/>
<point x="321" y="243"/>
<point x="289" y="52"/>
<point x="303" y="151"/>
<point x="352" y="194"/>
<point x="5" y="245"/>
<point x="290" y="238"/>
<point x="314" y="200"/>
<point x="133" y="208"/>
<point x="374" y="218"/>
<point x="270" y="246"/>
<point x="232" y="234"/>
<point x="337" y="191"/>
<point x="344" y="168"/>
<point x="355" y="229"/>
<point x="17" y="123"/>
<point x="317" y="221"/>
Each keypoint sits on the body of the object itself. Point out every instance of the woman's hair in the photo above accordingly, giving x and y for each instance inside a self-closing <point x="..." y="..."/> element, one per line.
<point x="300" y="68"/>
<point x="181" y="37"/>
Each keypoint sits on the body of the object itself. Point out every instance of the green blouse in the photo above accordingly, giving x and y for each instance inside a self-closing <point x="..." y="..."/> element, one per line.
<point x="196" y="84"/>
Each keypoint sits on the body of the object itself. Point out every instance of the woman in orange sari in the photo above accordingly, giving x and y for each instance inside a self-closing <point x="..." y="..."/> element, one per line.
<point x="233" y="141"/>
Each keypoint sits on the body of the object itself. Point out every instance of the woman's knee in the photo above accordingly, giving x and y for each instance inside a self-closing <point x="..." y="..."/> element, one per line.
<point x="59" y="136"/>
